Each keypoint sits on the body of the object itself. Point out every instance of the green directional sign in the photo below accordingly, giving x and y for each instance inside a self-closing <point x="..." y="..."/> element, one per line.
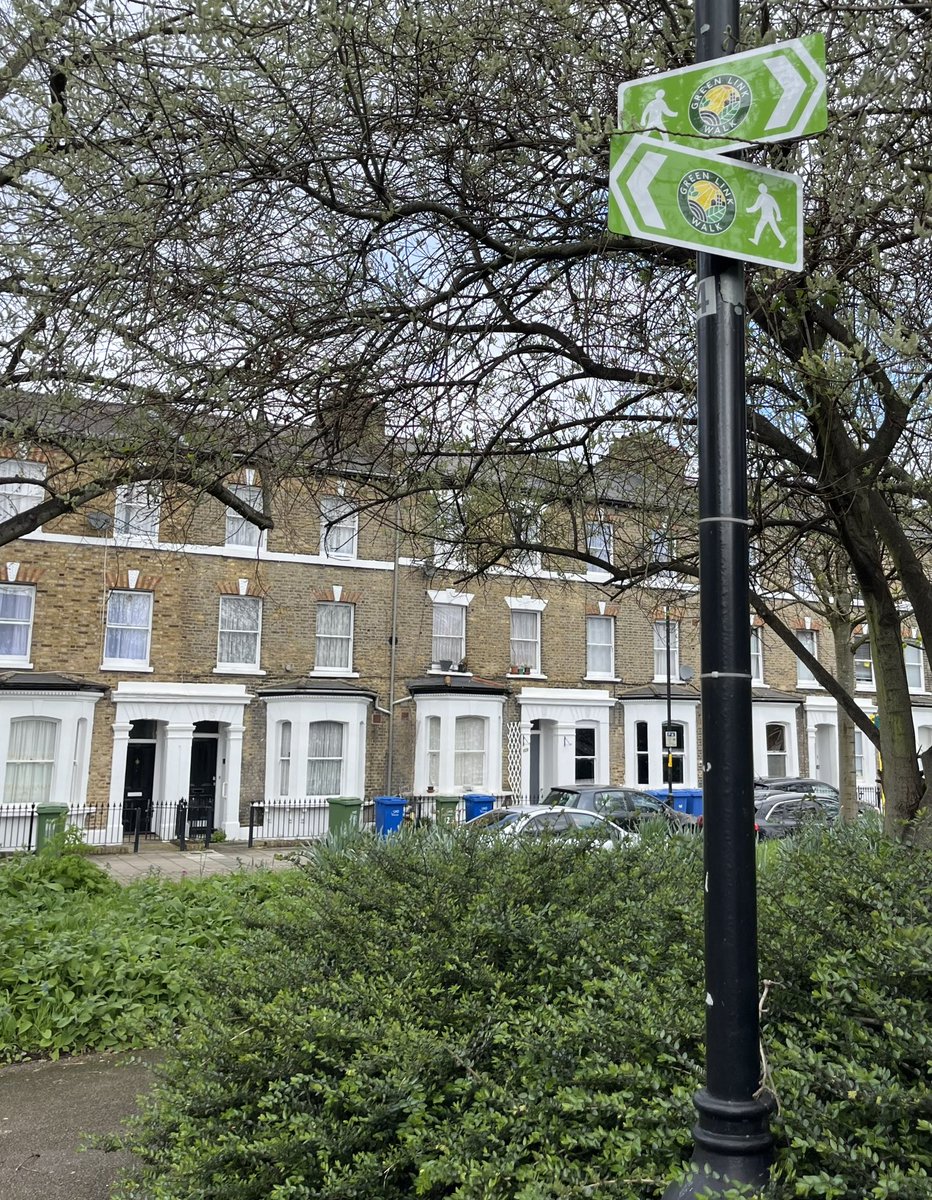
<point x="663" y="192"/>
<point x="765" y="95"/>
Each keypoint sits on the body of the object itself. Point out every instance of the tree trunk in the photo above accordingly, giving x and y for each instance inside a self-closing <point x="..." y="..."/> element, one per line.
<point x="844" y="673"/>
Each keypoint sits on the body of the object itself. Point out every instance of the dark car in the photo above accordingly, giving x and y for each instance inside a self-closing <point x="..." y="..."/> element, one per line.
<point x="627" y="807"/>
<point x="787" y="814"/>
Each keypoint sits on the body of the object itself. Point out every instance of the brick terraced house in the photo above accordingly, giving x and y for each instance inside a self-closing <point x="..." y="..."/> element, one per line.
<point x="154" y="648"/>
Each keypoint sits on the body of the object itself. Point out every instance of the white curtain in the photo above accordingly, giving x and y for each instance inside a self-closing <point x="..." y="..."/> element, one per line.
<point x="334" y="636"/>
<point x="339" y="526"/>
<point x="325" y="758"/>
<point x="128" y="618"/>
<point x="15" y="619"/>
<point x="524" y="640"/>
<point x="241" y="532"/>
<point x="449" y="623"/>
<point x="240" y="617"/>
<point x="30" y="760"/>
<point x="601" y="631"/>
<point x="469" y="752"/>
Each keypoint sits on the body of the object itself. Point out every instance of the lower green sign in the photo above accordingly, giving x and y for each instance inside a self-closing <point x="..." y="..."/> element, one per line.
<point x="662" y="192"/>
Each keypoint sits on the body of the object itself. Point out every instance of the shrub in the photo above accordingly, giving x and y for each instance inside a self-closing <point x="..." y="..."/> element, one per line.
<point x="437" y="1017"/>
<point x="89" y="965"/>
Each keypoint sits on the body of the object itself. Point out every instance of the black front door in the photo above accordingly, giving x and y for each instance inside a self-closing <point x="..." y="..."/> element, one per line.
<point x="137" y="787"/>
<point x="202" y="790"/>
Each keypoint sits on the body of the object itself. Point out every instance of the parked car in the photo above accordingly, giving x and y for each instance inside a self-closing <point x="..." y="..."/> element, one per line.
<point x="787" y="814"/>
<point x="544" y="820"/>
<point x="805" y="787"/>
<point x="627" y="807"/>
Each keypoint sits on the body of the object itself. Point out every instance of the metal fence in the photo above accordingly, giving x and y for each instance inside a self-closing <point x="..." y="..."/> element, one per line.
<point x="21" y="825"/>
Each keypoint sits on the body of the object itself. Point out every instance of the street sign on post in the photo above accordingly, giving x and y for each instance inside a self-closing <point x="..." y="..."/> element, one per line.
<point x="769" y="94"/>
<point x="664" y="193"/>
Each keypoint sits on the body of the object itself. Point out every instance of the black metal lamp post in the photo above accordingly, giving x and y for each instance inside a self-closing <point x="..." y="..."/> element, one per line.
<point x="732" y="1141"/>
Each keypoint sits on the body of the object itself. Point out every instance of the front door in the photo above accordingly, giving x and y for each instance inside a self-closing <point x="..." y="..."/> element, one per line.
<point x="202" y="790"/>
<point x="137" y="787"/>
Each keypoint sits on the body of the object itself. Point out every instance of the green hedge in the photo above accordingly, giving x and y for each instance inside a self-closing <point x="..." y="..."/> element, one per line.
<point x="441" y="1017"/>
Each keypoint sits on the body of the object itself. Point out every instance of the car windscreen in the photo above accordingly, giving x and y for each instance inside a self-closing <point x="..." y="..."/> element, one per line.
<point x="564" y="799"/>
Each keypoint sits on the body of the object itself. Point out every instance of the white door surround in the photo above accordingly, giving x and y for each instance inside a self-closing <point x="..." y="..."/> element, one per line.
<point x="177" y="708"/>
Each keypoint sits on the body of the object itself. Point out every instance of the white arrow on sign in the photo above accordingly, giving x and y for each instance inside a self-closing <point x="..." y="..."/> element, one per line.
<point x="641" y="178"/>
<point x="794" y="88"/>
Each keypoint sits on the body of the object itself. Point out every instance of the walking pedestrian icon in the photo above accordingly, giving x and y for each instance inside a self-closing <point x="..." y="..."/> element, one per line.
<point x="770" y="215"/>
<point x="654" y="113"/>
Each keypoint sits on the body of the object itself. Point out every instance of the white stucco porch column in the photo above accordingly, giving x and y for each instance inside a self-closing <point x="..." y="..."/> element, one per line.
<point x="176" y="778"/>
<point x="228" y="818"/>
<point x="566" y="753"/>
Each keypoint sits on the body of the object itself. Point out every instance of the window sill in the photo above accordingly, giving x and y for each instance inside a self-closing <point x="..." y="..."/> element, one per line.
<point x="234" y="669"/>
<point x="525" y="675"/>
<point x="334" y="673"/>
<point x="451" y="671"/>
<point x="601" y="679"/>
<point x="19" y="664"/>
<point x="126" y="666"/>
<point x="809" y="685"/>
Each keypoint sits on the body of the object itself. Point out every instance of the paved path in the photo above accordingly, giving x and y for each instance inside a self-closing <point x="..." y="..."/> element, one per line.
<point x="47" y="1111"/>
<point x="223" y="858"/>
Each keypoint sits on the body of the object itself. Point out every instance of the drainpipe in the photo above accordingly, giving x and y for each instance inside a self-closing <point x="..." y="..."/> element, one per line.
<point x="392" y="656"/>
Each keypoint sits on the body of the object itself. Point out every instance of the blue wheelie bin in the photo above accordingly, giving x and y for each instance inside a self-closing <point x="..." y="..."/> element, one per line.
<point x="389" y="813"/>
<point x="477" y="804"/>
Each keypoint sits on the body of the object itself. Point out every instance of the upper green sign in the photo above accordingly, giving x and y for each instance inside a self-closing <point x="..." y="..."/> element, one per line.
<point x="765" y="95"/>
<point x="663" y="192"/>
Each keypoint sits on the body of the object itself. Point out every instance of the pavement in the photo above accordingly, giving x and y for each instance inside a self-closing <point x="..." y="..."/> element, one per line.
<point x="48" y="1110"/>
<point x="222" y="858"/>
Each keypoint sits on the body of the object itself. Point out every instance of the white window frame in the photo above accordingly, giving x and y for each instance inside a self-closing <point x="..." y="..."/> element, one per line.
<point x="662" y="546"/>
<point x="527" y="528"/>
<point x="345" y="639"/>
<point x="912" y="650"/>
<point x="757" y="655"/>
<point x="113" y="662"/>
<point x="449" y="532"/>
<point x="470" y="764"/>
<point x="340" y="758"/>
<point x="600" y="543"/>
<point x="660" y="650"/>
<point x="339" y="528"/>
<point x="777" y="759"/>
<point x="230" y="667"/>
<point x="19" y="660"/>
<point x="11" y="764"/>
<point x="21" y="496"/>
<point x="810" y="640"/>
<point x="440" y="611"/>
<point x="525" y="651"/>
<point x="864" y="655"/>
<point x="239" y="531"/>
<point x="136" y="512"/>
<point x="283" y="738"/>
<point x="601" y="623"/>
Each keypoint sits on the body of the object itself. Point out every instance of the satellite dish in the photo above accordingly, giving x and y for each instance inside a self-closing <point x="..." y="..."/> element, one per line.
<point x="687" y="674"/>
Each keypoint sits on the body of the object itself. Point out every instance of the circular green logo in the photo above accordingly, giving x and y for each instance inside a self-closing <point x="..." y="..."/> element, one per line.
<point x="719" y="105"/>
<point x="706" y="201"/>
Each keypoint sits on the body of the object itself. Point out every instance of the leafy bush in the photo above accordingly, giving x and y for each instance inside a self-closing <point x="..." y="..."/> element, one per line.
<point x="440" y="1017"/>
<point x="89" y="965"/>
